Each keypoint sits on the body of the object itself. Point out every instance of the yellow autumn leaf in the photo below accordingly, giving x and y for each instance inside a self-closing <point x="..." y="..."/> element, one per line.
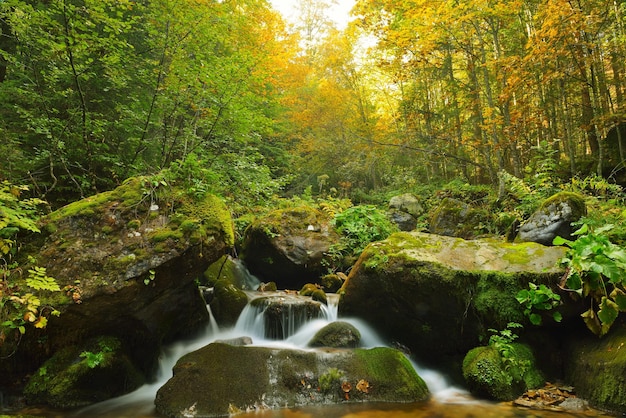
<point x="41" y="322"/>
<point x="29" y="317"/>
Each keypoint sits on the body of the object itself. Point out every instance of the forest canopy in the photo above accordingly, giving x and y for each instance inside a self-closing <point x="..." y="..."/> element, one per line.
<point x="410" y="93"/>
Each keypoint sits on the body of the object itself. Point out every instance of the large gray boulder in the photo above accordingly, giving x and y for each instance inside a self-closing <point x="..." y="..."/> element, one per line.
<point x="554" y="218"/>
<point x="220" y="379"/>
<point x="439" y="295"/>
<point x="289" y="246"/>
<point x="126" y="261"/>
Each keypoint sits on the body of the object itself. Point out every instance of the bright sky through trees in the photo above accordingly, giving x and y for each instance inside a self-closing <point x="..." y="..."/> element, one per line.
<point x="339" y="12"/>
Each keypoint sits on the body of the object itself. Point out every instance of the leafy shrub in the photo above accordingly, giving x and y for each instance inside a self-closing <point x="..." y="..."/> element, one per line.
<point x="358" y="226"/>
<point x="20" y="303"/>
<point x="596" y="268"/>
<point x="539" y="297"/>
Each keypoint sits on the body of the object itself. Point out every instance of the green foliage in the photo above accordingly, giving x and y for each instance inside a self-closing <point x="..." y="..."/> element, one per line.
<point x="358" y="226"/>
<point x="596" y="269"/>
<point x="107" y="345"/>
<point x="330" y="379"/>
<point x="150" y="278"/>
<point x="19" y="308"/>
<point x="38" y="279"/>
<point x="539" y="298"/>
<point x="502" y="341"/>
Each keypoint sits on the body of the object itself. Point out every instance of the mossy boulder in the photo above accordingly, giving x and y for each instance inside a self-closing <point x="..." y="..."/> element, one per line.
<point x="455" y="218"/>
<point x="338" y="334"/>
<point x="81" y="375"/>
<point x="439" y="295"/>
<point x="314" y="291"/>
<point x="127" y="260"/>
<point x="554" y="218"/>
<point x="289" y="246"/>
<point x="331" y="283"/>
<point x="232" y="270"/>
<point x="220" y="379"/>
<point x="597" y="368"/>
<point x="228" y="302"/>
<point x="489" y="375"/>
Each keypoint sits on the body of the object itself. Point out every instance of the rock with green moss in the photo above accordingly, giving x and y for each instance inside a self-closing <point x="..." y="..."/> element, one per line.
<point x="331" y="283"/>
<point x="228" y="302"/>
<point x="76" y="376"/>
<point x="597" y="368"/>
<point x="455" y="218"/>
<point x="220" y="379"/>
<point x="489" y="375"/>
<point x="316" y="292"/>
<point x="554" y="218"/>
<point x="439" y="295"/>
<point x="232" y="270"/>
<point x="338" y="334"/>
<point x="127" y="260"/>
<point x="289" y="246"/>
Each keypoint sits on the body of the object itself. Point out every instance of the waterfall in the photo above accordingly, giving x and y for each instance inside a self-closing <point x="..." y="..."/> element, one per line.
<point x="293" y="321"/>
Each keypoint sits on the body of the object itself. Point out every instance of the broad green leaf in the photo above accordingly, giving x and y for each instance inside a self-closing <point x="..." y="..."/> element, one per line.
<point x="558" y="240"/>
<point x="557" y="316"/>
<point x="620" y="299"/>
<point x="575" y="283"/>
<point x="607" y="314"/>
<point x="535" y="319"/>
<point x="592" y="322"/>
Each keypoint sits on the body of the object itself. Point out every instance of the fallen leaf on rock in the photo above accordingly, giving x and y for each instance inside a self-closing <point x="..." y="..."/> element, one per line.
<point x="363" y="386"/>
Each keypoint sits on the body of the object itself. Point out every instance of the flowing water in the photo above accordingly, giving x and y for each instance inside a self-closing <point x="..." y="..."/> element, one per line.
<point x="446" y="402"/>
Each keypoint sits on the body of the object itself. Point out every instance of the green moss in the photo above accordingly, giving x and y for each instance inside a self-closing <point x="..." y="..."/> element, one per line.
<point x="487" y="375"/>
<point x="212" y="214"/>
<point x="133" y="224"/>
<point x="70" y="379"/>
<point x="576" y="201"/>
<point x="189" y="225"/>
<point x="164" y="234"/>
<point x="494" y="299"/>
<point x="597" y="368"/>
<point x="384" y="364"/>
<point x="228" y="302"/>
<point x="520" y="253"/>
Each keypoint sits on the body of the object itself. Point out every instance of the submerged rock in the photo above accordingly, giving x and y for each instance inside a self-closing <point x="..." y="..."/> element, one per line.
<point x="439" y="295"/>
<point x="282" y="314"/>
<point x="220" y="379"/>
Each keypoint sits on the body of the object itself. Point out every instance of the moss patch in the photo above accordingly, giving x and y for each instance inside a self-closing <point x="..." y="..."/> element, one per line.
<point x="487" y="375"/>
<point x="597" y="369"/>
<point x="77" y="376"/>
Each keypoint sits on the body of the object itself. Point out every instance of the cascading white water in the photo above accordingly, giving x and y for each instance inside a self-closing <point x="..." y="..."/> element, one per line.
<point x="251" y="324"/>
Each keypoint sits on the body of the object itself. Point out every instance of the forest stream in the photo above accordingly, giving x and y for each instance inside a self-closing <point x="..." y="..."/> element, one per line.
<point x="447" y="401"/>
